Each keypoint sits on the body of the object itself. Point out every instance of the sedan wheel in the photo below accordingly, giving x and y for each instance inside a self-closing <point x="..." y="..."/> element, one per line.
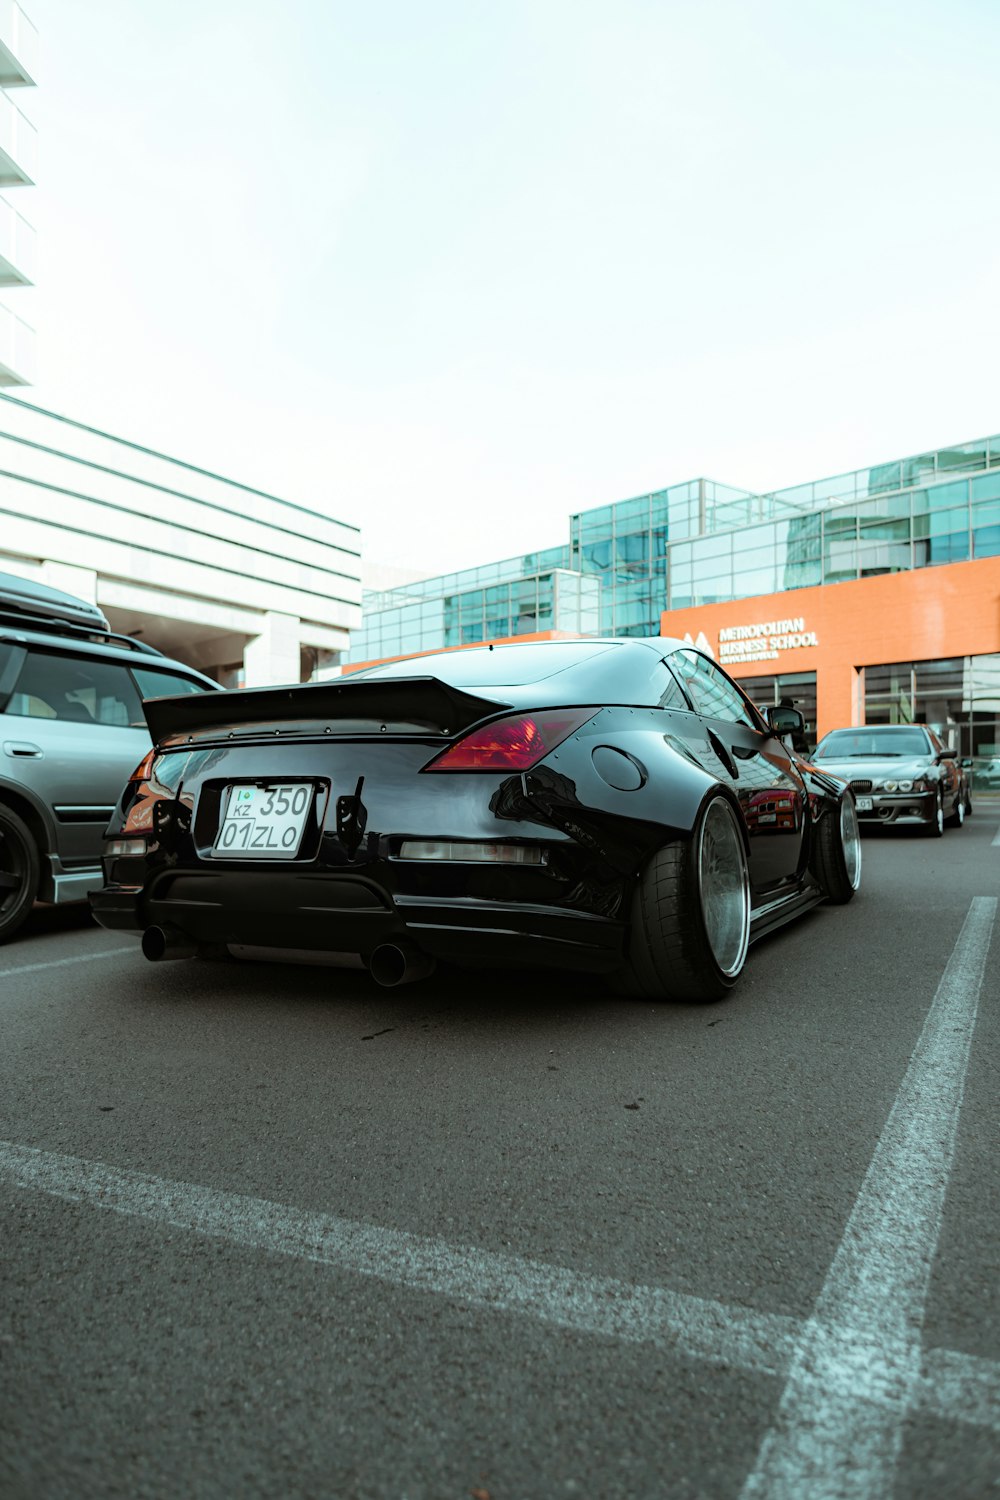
<point x="958" y="816"/>
<point x="691" y="913"/>
<point x="19" y="873"/>
<point x="935" y="828"/>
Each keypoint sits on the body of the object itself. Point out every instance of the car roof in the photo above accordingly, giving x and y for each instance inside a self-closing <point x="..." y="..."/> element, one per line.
<point x="878" y="729"/>
<point x="30" y="598"/>
<point x="82" y="645"/>
<point x="579" y="669"/>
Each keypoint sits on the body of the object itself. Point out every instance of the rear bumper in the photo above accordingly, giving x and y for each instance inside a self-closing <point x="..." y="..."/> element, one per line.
<point x="351" y="914"/>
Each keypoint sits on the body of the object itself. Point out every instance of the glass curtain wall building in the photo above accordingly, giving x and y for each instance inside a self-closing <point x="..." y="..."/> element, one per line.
<point x="938" y="507"/>
<point x="528" y="595"/>
<point x="702" y="542"/>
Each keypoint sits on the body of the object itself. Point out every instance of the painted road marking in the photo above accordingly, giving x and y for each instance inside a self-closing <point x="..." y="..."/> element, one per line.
<point x="838" y="1431"/>
<point x="58" y="963"/>
<point x="700" y="1329"/>
<point x="996" y="839"/>
<point x="864" y="1336"/>
<point x="951" y="1386"/>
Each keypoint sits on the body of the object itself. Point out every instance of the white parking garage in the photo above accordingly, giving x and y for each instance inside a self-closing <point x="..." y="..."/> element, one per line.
<point x="249" y="588"/>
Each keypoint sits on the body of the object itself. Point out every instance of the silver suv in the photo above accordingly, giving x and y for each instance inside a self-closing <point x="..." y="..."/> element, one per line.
<point x="71" y="733"/>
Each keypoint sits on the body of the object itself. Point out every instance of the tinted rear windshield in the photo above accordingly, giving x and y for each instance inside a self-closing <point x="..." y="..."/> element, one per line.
<point x="851" y="744"/>
<point x="503" y="666"/>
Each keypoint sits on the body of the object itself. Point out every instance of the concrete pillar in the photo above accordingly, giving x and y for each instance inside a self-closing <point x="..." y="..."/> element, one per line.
<point x="273" y="656"/>
<point x="72" y="580"/>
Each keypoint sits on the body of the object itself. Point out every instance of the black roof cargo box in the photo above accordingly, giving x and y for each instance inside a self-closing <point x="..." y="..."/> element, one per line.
<point x="37" y="604"/>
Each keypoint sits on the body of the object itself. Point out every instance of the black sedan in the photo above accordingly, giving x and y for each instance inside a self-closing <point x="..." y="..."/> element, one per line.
<point x="607" y="806"/>
<point x="900" y="774"/>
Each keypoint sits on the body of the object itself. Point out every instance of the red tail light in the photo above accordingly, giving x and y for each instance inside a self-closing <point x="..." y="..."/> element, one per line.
<point x="144" y="769"/>
<point x="514" y="744"/>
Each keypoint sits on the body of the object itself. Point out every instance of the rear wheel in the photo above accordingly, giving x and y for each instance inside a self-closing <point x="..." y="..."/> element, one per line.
<point x="19" y="872"/>
<point x="836" y="860"/>
<point x="690" y="917"/>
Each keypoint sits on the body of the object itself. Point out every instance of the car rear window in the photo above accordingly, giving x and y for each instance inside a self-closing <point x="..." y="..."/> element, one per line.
<point x="501" y="666"/>
<point x="75" y="689"/>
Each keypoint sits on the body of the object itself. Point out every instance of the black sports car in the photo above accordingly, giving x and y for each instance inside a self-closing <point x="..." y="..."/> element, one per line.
<point x="609" y="806"/>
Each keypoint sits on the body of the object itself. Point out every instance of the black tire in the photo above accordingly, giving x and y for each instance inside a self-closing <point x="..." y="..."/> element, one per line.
<point x="20" y="871"/>
<point x="957" y="817"/>
<point x="836" y="852"/>
<point x="935" y="828"/>
<point x="690" y="913"/>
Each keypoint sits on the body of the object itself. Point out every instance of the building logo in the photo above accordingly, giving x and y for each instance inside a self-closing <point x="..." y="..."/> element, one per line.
<point x="700" y="644"/>
<point x="764" y="642"/>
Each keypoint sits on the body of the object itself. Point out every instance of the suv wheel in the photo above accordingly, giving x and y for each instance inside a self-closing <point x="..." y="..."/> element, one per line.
<point x="19" y="872"/>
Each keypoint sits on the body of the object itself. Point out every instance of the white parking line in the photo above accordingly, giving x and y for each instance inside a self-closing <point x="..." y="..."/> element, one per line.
<point x="58" y="963"/>
<point x="996" y="839"/>
<point x="839" y="1426"/>
<point x="855" y="1369"/>
<point x="700" y="1329"/>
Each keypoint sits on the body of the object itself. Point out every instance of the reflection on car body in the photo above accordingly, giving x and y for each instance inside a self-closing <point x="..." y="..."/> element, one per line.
<point x="608" y="806"/>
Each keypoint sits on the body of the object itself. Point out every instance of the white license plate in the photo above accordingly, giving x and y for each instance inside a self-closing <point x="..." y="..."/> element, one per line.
<point x="864" y="804"/>
<point x="263" y="822"/>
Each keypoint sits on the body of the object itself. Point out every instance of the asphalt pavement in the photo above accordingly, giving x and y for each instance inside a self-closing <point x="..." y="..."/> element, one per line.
<point x="270" y="1230"/>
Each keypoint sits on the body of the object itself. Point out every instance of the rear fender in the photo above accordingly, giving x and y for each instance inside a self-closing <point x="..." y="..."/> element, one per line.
<point x="621" y="828"/>
<point x="825" y="791"/>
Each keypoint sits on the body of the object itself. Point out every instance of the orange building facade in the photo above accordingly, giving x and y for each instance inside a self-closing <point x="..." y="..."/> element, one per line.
<point x="920" y="645"/>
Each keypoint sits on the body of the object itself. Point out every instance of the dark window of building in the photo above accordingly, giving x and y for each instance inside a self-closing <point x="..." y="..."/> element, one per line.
<point x="957" y="697"/>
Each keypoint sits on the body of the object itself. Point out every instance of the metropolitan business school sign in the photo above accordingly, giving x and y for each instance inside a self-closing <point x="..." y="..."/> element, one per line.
<point x="764" y="642"/>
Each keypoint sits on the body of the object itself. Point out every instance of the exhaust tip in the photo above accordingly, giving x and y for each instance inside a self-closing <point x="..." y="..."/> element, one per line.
<point x="392" y="964"/>
<point x="159" y="943"/>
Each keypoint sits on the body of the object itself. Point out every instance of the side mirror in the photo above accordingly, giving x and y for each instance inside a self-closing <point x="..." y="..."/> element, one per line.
<point x="948" y="754"/>
<point x="967" y="764"/>
<point x="784" y="720"/>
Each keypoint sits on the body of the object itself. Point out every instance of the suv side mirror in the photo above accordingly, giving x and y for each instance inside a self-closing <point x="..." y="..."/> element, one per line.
<point x="784" y="720"/>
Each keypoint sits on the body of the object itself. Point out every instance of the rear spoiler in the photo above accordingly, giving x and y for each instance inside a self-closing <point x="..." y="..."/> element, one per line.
<point x="410" y="705"/>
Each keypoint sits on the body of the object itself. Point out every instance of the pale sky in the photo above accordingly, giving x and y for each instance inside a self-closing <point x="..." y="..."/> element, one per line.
<point x="451" y="270"/>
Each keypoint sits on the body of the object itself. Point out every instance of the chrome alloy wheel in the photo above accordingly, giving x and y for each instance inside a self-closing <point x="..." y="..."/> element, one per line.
<point x="850" y="840"/>
<point x="724" y="886"/>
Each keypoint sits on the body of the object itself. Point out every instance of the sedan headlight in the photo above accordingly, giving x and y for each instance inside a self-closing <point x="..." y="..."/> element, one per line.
<point x="890" y="786"/>
<point x="906" y="786"/>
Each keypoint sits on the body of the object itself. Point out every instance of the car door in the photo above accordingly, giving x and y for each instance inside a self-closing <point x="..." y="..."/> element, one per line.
<point x="763" y="772"/>
<point x="72" y="733"/>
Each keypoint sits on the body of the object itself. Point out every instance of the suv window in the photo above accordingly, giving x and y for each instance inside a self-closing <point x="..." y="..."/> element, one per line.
<point x="77" y="689"/>
<point x="153" y="684"/>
